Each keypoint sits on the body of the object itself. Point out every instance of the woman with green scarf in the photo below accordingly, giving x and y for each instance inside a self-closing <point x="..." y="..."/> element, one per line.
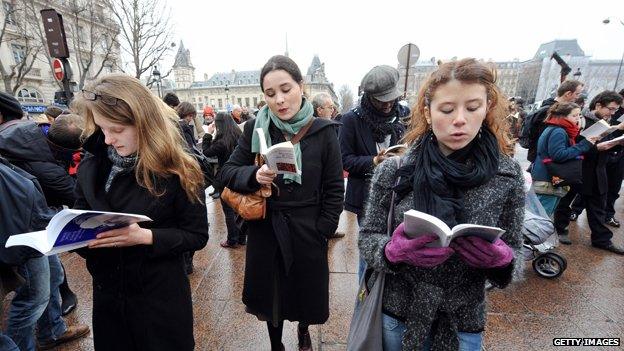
<point x="286" y="270"/>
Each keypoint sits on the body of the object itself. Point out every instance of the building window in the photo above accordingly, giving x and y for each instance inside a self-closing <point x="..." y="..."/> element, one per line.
<point x="240" y="102"/>
<point x="247" y="101"/>
<point x="199" y="99"/>
<point x="193" y="99"/>
<point x="29" y="95"/>
<point x="9" y="12"/>
<point x="212" y="102"/>
<point x="220" y="104"/>
<point x="255" y="101"/>
<point x="19" y="53"/>
<point x="81" y="35"/>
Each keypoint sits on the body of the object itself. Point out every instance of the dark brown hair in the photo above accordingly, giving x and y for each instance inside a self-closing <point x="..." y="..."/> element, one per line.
<point x="561" y="110"/>
<point x="468" y="71"/>
<point x="568" y="85"/>
<point x="284" y="63"/>
<point x="184" y="109"/>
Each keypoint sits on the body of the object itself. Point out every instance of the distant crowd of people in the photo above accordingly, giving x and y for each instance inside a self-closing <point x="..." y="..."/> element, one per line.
<point x="119" y="148"/>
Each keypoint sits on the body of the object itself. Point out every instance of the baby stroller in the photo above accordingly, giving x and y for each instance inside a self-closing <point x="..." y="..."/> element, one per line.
<point x="536" y="231"/>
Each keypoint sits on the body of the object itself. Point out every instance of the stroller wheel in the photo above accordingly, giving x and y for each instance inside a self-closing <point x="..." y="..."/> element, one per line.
<point x="549" y="265"/>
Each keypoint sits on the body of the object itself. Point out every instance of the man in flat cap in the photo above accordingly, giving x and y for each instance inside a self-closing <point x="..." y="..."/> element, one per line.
<point x="368" y="130"/>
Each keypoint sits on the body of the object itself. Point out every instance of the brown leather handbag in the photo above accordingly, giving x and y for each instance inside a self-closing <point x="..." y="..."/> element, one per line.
<point x="252" y="207"/>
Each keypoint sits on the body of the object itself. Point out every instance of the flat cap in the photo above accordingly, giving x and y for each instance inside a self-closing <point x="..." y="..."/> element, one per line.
<point x="381" y="83"/>
<point x="10" y="107"/>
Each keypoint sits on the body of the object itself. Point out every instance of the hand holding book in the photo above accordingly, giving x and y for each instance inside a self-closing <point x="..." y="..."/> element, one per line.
<point x="122" y="237"/>
<point x="479" y="253"/>
<point x="402" y="249"/>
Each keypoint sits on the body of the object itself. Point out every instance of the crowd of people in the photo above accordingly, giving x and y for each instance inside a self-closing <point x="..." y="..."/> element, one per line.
<point x="120" y="148"/>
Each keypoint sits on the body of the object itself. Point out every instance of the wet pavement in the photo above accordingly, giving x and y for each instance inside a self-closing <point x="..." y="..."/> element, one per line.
<point x="586" y="301"/>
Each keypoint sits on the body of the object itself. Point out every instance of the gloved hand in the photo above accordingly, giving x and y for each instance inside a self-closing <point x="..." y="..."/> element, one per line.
<point x="401" y="248"/>
<point x="480" y="253"/>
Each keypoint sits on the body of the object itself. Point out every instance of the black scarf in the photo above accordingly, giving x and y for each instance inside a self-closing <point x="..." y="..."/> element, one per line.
<point x="121" y="165"/>
<point x="381" y="125"/>
<point x="438" y="181"/>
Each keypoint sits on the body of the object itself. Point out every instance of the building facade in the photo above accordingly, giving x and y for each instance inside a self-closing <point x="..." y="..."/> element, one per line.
<point x="538" y="78"/>
<point x="224" y="89"/>
<point x="25" y="65"/>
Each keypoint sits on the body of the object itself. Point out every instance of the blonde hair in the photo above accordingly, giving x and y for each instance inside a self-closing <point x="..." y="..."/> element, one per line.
<point x="469" y="71"/>
<point x="160" y="145"/>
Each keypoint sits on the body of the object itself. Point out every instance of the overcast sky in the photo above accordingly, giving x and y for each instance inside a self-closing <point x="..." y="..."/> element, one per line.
<point x="351" y="37"/>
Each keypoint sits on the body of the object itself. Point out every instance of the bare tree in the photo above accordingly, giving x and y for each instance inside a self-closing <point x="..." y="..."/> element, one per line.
<point x="145" y="31"/>
<point x="93" y="38"/>
<point x="19" y="34"/>
<point x="345" y="96"/>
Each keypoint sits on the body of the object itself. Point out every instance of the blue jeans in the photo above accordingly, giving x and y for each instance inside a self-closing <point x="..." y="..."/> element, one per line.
<point x="37" y="303"/>
<point x="394" y="329"/>
<point x="6" y="344"/>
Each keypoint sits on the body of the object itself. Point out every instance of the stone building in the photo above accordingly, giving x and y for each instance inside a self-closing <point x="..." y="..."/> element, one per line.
<point x="224" y="89"/>
<point x="538" y="78"/>
<point x="85" y="22"/>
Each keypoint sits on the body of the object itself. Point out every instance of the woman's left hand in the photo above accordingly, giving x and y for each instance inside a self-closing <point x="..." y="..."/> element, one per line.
<point x="211" y="128"/>
<point x="123" y="237"/>
<point x="480" y="253"/>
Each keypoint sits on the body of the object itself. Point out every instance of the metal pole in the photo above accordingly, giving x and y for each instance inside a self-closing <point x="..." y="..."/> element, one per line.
<point x="409" y="53"/>
<point x="617" y="77"/>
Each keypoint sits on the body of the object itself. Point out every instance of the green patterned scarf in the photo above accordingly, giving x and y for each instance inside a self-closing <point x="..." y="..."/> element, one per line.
<point x="290" y="127"/>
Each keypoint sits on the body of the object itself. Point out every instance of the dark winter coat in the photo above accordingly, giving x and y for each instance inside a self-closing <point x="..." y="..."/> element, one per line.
<point x="452" y="293"/>
<point x="25" y="146"/>
<point x="187" y="133"/>
<point x="303" y="216"/>
<point x="554" y="143"/>
<point x="141" y="294"/>
<point x="358" y="149"/>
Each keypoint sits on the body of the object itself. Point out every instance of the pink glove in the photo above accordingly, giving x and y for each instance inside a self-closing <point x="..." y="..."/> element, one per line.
<point x="480" y="253"/>
<point x="413" y="251"/>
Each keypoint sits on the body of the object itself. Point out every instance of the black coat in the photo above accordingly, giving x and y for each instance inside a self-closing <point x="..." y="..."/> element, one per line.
<point x="304" y="214"/>
<point x="358" y="149"/>
<point x="595" y="181"/>
<point x="141" y="294"/>
<point x="187" y="133"/>
<point x="25" y="146"/>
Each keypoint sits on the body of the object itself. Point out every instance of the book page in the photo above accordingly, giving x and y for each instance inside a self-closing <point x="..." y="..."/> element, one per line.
<point x="484" y="232"/>
<point x="600" y="128"/>
<point x="281" y="158"/>
<point x="419" y="223"/>
<point x="85" y="226"/>
<point x="36" y="240"/>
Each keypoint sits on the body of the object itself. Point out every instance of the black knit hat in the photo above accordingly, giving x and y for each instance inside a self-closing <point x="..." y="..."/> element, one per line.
<point x="10" y="108"/>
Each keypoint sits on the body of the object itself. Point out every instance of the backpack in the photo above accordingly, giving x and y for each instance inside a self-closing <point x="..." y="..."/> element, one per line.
<point x="22" y="208"/>
<point x="527" y="135"/>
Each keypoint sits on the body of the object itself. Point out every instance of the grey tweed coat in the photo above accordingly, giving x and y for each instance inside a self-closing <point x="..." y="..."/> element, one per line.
<point x="448" y="298"/>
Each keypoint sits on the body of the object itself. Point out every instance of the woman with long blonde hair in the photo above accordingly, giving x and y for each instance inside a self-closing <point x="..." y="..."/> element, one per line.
<point x="136" y="163"/>
<point x="456" y="169"/>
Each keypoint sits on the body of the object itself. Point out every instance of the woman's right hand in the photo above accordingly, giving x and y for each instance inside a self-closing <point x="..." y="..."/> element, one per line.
<point x="401" y="248"/>
<point x="593" y="139"/>
<point x="265" y="176"/>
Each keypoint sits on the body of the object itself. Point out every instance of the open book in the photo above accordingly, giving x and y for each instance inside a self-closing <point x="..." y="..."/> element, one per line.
<point x="419" y="223"/>
<point x="279" y="157"/>
<point x="397" y="149"/>
<point x="73" y="229"/>
<point x="601" y="128"/>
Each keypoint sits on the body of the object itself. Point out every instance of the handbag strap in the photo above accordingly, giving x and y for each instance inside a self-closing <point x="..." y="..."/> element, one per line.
<point x="390" y="220"/>
<point x="302" y="132"/>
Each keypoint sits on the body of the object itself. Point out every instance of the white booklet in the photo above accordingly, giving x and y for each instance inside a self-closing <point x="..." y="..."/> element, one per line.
<point x="419" y="223"/>
<point x="279" y="157"/>
<point x="601" y="128"/>
<point x="73" y="229"/>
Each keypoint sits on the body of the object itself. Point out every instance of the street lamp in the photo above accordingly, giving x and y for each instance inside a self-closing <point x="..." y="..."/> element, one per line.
<point x="156" y="75"/>
<point x="227" y="98"/>
<point x="617" y="77"/>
